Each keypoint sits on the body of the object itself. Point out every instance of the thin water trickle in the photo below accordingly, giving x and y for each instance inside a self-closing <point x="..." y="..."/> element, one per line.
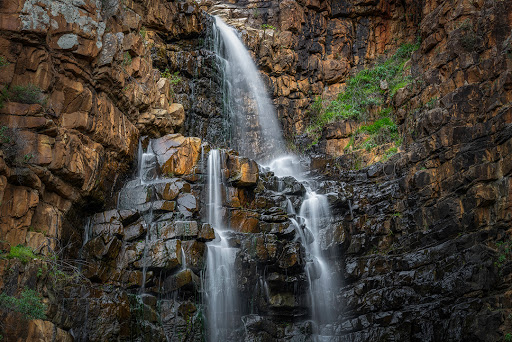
<point x="144" y="265"/>
<point x="223" y="311"/>
<point x="87" y="231"/>
<point x="183" y="258"/>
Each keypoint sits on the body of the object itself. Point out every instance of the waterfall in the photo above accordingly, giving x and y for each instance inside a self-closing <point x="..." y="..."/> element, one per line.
<point x="147" y="164"/>
<point x="214" y="190"/>
<point x="223" y="312"/>
<point x="323" y="279"/>
<point x="256" y="134"/>
<point x="254" y="126"/>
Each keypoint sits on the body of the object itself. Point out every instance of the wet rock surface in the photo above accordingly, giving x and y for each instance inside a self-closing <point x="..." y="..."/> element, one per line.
<point x="422" y="240"/>
<point x="306" y="49"/>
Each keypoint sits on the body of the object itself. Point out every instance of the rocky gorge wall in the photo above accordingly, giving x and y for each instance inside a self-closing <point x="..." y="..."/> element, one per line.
<point x="307" y="49"/>
<point x="422" y="239"/>
<point x="78" y="89"/>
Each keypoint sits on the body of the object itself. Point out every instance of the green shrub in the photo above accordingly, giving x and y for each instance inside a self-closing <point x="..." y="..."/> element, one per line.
<point x="431" y="103"/>
<point x="23" y="253"/>
<point x="30" y="304"/>
<point x="380" y="132"/>
<point x="267" y="26"/>
<point x="389" y="153"/>
<point x="504" y="249"/>
<point x="127" y="58"/>
<point x="469" y="38"/>
<point x="363" y="90"/>
<point x="378" y="125"/>
<point x="4" y="136"/>
<point x="143" y="32"/>
<point x="174" y="79"/>
<point x="3" y="61"/>
<point x="29" y="94"/>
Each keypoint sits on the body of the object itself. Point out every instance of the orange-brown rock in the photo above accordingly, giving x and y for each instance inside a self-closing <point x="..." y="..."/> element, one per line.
<point x="243" y="172"/>
<point x="206" y="233"/>
<point x="179" y="280"/>
<point x="176" y="154"/>
<point x="33" y="330"/>
<point x="244" y="221"/>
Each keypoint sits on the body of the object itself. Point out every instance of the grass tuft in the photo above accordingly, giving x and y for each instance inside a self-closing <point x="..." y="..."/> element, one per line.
<point x="23" y="253"/>
<point x="363" y="91"/>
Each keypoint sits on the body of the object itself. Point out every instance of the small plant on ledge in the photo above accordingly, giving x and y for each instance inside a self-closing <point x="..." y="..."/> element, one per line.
<point x="23" y="253"/>
<point x="27" y="94"/>
<point x="127" y="58"/>
<point x="174" y="79"/>
<point x="29" y="304"/>
<point x="267" y="26"/>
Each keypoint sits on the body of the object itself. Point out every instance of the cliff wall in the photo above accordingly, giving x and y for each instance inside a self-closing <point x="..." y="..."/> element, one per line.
<point x="420" y="238"/>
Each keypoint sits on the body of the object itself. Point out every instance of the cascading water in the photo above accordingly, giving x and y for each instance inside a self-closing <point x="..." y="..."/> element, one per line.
<point x="223" y="310"/>
<point x="323" y="278"/>
<point x="147" y="164"/>
<point x="253" y="121"/>
<point x="256" y="134"/>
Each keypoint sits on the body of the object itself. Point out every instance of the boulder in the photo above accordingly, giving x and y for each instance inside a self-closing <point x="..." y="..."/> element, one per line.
<point x="176" y="154"/>
<point x="181" y="229"/>
<point x="162" y="255"/>
<point x="243" y="172"/>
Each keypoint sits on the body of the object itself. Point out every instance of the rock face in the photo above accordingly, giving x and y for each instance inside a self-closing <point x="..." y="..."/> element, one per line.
<point x="78" y="88"/>
<point x="423" y="240"/>
<point x="306" y="49"/>
<point x="425" y="231"/>
<point x="76" y="96"/>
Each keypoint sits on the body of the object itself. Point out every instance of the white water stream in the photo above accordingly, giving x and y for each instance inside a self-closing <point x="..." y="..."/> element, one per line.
<point x="256" y="134"/>
<point x="252" y="117"/>
<point x="223" y="312"/>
